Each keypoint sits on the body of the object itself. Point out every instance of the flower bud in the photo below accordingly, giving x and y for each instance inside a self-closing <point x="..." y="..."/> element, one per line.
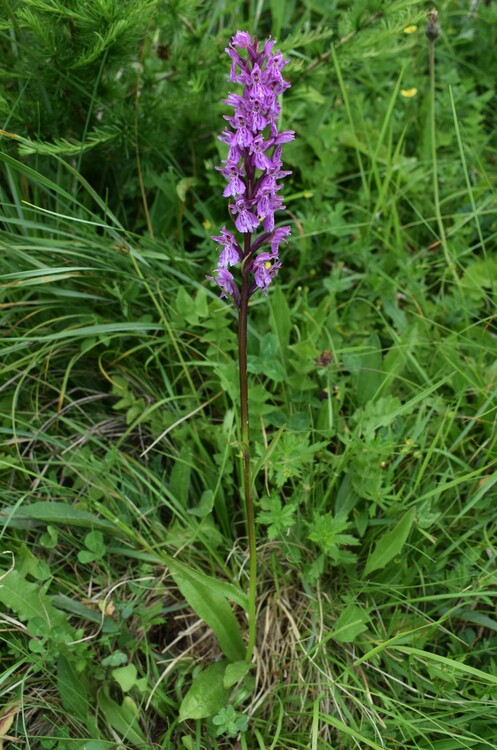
<point x="432" y="30"/>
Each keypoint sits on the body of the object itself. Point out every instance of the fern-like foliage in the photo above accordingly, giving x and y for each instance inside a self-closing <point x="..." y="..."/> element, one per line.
<point x="67" y="147"/>
<point x="307" y="36"/>
<point x="117" y="78"/>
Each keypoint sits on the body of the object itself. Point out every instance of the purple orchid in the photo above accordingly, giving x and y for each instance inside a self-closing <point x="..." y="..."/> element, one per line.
<point x="253" y="166"/>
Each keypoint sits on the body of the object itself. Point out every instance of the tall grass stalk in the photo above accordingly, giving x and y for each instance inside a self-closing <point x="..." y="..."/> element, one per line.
<point x="432" y="32"/>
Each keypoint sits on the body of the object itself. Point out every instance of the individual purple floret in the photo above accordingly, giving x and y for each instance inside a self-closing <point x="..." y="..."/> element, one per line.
<point x="225" y="280"/>
<point x="253" y="165"/>
<point x="264" y="267"/>
<point x="232" y="253"/>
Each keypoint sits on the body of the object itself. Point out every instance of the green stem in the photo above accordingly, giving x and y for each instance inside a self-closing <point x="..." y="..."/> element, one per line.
<point x="244" y="417"/>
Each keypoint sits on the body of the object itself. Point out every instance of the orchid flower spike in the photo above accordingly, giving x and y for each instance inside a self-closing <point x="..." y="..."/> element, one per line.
<point x="253" y="166"/>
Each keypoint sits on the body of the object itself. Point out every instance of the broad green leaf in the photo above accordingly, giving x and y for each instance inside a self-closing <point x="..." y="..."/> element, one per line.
<point x="235" y="672"/>
<point x="214" y="610"/>
<point x="125" y="677"/>
<point x="346" y="498"/>
<point x="58" y="513"/>
<point x="122" y="717"/>
<point x="390" y="544"/>
<point x="205" y="505"/>
<point x="221" y="588"/>
<point x="71" y="689"/>
<point x="207" y="694"/>
<point x="61" y="601"/>
<point x="370" y="375"/>
<point x="28" y="600"/>
<point x="179" y="481"/>
<point x="484" y="621"/>
<point x="350" y="624"/>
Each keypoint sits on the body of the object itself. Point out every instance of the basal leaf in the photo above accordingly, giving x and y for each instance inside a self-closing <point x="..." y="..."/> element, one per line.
<point x="222" y="588"/>
<point x="207" y="694"/>
<point x="122" y="717"/>
<point x="235" y="672"/>
<point x="350" y="624"/>
<point x="215" y="611"/>
<point x="58" y="513"/>
<point x="71" y="689"/>
<point x="390" y="544"/>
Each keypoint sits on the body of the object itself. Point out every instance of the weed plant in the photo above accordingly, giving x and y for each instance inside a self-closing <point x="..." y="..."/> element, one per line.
<point x="373" y="381"/>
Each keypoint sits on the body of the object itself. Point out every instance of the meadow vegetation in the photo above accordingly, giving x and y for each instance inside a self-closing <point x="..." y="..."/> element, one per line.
<point x="373" y="383"/>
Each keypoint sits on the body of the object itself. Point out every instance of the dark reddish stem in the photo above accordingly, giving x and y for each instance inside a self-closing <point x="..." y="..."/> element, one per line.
<point x="245" y="437"/>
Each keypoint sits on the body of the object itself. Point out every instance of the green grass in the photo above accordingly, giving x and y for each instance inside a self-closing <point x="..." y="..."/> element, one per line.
<point x="372" y="378"/>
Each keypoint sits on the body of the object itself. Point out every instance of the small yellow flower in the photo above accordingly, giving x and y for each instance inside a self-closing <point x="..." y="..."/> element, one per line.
<point x="207" y="224"/>
<point x="410" y="29"/>
<point x="408" y="93"/>
<point x="308" y="194"/>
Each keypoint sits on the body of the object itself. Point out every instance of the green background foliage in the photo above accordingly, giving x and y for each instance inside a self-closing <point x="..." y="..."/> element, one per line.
<point x="372" y="366"/>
